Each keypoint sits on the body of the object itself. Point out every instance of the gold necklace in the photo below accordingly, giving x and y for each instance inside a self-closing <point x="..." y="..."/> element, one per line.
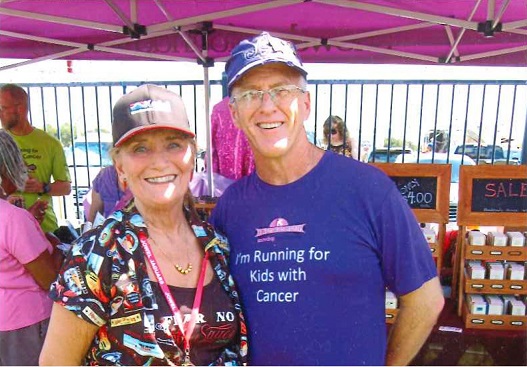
<point x="178" y="267"/>
<point x="185" y="271"/>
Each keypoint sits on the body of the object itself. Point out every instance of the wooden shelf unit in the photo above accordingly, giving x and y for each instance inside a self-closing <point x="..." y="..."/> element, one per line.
<point x="438" y="214"/>
<point x="493" y="286"/>
<point x="477" y="210"/>
<point x="493" y="322"/>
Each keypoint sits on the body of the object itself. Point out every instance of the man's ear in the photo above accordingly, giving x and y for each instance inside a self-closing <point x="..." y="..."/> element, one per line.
<point x="307" y="104"/>
<point x="234" y="114"/>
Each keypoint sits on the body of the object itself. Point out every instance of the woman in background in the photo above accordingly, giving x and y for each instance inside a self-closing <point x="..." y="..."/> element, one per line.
<point x="106" y="192"/>
<point x="338" y="139"/>
<point x="26" y="267"/>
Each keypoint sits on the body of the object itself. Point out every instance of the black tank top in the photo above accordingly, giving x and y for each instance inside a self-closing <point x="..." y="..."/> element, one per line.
<point x="216" y="327"/>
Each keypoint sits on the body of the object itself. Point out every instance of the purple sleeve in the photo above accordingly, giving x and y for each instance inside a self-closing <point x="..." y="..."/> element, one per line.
<point x="102" y="178"/>
<point x="407" y="259"/>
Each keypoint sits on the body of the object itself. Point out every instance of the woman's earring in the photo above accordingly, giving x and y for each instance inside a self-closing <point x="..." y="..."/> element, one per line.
<point x="125" y="184"/>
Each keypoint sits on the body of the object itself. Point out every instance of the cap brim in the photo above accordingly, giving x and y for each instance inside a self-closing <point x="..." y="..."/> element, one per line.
<point x="141" y="129"/>
<point x="263" y="62"/>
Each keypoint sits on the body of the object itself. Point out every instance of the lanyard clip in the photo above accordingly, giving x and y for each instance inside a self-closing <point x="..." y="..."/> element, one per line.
<point x="186" y="360"/>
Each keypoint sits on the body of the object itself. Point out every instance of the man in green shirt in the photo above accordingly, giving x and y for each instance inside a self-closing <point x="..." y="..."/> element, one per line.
<point x="43" y="154"/>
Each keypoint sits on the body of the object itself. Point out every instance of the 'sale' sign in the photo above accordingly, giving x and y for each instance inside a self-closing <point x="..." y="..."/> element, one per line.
<point x="503" y="195"/>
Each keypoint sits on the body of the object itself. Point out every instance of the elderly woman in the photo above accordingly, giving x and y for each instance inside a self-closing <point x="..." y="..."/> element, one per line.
<point x="26" y="267"/>
<point x="338" y="139"/>
<point x="151" y="284"/>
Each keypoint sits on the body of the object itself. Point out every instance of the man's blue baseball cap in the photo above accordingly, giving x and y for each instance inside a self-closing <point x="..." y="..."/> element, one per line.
<point x="260" y="50"/>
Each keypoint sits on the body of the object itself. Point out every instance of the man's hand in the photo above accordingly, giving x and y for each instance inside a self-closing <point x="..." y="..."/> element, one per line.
<point x="33" y="185"/>
<point x="38" y="209"/>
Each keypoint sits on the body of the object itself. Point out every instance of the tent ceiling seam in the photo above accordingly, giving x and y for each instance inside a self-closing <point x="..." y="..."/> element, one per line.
<point x="224" y="14"/>
<point x="454" y="50"/>
<point x="61" y="20"/>
<point x="402" y="13"/>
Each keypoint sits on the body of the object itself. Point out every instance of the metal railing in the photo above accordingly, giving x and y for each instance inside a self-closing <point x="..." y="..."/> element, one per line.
<point x="386" y="117"/>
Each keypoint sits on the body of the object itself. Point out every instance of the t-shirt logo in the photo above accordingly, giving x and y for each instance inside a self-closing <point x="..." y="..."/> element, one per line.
<point x="280" y="225"/>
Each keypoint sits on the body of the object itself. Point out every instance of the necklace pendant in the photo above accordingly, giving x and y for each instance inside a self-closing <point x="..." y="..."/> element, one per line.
<point x="185" y="271"/>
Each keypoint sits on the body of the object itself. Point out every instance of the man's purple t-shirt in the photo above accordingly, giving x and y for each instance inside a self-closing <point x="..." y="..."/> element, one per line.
<point x="312" y="260"/>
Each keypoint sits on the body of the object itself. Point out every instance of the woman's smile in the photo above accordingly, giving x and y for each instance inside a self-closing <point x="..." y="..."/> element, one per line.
<point x="161" y="179"/>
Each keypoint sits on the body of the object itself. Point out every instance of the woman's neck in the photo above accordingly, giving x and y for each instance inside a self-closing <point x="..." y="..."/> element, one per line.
<point x="165" y="219"/>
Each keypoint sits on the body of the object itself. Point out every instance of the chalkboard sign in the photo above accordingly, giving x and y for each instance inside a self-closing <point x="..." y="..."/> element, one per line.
<point x="499" y="195"/>
<point x="419" y="192"/>
<point x="492" y="195"/>
<point x="424" y="186"/>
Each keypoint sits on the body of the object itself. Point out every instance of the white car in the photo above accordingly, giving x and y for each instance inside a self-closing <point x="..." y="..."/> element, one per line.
<point x="456" y="160"/>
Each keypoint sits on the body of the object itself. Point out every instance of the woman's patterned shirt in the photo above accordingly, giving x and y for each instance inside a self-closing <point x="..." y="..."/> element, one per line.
<point x="104" y="281"/>
<point x="342" y="149"/>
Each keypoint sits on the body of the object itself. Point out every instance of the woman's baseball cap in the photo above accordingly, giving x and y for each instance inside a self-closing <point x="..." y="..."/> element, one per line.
<point x="146" y="108"/>
<point x="260" y="50"/>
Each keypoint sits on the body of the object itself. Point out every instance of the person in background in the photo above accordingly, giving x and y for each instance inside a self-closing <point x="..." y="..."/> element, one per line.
<point x="231" y="154"/>
<point x="151" y="285"/>
<point x="337" y="137"/>
<point x="43" y="154"/>
<point x="106" y="192"/>
<point x="26" y="268"/>
<point x="317" y="237"/>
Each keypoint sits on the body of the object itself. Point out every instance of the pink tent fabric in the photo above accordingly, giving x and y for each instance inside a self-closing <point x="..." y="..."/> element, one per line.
<point x="464" y="32"/>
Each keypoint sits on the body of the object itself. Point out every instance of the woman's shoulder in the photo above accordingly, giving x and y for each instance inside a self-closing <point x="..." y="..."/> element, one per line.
<point x="120" y="231"/>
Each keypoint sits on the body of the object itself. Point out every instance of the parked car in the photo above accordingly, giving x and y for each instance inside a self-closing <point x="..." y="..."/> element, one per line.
<point x="385" y="155"/>
<point x="456" y="160"/>
<point x="487" y="154"/>
<point x="514" y="155"/>
<point x="93" y="153"/>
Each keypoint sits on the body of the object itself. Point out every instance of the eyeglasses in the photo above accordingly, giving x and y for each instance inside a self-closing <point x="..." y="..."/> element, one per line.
<point x="334" y="131"/>
<point x="280" y="95"/>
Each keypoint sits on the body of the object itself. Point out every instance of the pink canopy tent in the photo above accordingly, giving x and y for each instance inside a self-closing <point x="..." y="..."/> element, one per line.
<point x="455" y="32"/>
<point x="465" y="32"/>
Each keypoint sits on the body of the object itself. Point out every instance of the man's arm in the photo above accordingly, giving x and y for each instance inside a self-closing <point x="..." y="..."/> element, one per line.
<point x="57" y="188"/>
<point x="417" y="316"/>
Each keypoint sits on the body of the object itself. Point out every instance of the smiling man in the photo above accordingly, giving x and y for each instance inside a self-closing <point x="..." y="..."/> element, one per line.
<point x="317" y="237"/>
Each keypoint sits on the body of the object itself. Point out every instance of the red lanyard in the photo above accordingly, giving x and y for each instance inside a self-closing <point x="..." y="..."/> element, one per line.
<point x="172" y="303"/>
